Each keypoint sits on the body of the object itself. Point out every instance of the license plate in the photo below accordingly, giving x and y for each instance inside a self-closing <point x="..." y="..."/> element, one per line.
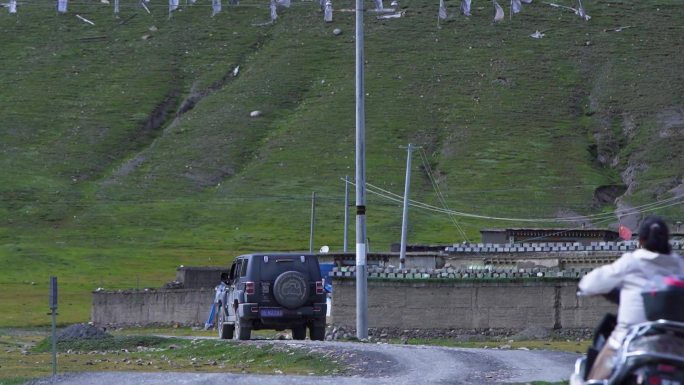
<point x="271" y="312"/>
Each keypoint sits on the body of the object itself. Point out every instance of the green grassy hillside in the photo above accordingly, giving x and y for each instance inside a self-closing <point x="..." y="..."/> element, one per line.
<point x="127" y="148"/>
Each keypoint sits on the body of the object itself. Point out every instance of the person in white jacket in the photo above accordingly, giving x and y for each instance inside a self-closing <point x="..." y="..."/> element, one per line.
<point x="630" y="273"/>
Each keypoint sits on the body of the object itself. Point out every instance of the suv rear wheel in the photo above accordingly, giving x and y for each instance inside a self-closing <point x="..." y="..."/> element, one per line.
<point x="225" y="330"/>
<point x="299" y="332"/>
<point x="241" y="332"/>
<point x="316" y="333"/>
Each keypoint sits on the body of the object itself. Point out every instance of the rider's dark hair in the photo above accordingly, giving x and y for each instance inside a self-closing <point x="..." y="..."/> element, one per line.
<point x="654" y="235"/>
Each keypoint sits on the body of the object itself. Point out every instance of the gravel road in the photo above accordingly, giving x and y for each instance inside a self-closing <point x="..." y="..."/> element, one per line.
<point x="372" y="364"/>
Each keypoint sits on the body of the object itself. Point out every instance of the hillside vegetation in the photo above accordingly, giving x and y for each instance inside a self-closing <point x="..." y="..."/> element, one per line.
<point x="127" y="147"/>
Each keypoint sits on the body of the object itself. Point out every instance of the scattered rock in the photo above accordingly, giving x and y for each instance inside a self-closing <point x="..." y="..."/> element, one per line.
<point x="337" y="31"/>
<point x="153" y="28"/>
<point x="255" y="114"/>
<point x="533" y="333"/>
<point x="82" y="331"/>
<point x="173" y="285"/>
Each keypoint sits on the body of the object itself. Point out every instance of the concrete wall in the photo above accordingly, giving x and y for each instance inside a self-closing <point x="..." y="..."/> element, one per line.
<point x="468" y="305"/>
<point x="200" y="277"/>
<point x="163" y="307"/>
<point x="407" y="304"/>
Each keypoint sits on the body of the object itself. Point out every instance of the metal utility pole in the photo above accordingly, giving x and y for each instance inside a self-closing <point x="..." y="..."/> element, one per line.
<point x="313" y="221"/>
<point x="346" y="212"/>
<point x="53" y="312"/>
<point x="404" y="218"/>
<point x="361" y="277"/>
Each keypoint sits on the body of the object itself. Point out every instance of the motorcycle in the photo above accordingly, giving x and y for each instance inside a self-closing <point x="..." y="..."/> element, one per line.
<point x="653" y="351"/>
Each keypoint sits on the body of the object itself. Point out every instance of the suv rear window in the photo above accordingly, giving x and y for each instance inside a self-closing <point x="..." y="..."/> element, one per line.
<point x="273" y="266"/>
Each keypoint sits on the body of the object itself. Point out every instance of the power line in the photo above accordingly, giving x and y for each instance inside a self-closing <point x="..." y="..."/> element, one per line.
<point x="606" y="216"/>
<point x="438" y="191"/>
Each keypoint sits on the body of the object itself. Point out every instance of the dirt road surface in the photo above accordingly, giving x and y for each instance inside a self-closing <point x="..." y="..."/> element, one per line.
<point x="372" y="364"/>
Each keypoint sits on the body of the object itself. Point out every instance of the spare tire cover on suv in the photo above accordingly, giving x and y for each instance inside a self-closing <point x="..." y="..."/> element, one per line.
<point x="291" y="289"/>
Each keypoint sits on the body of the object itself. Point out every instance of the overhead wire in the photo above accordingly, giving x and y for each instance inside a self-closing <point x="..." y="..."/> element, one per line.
<point x="669" y="202"/>
<point x="438" y="191"/>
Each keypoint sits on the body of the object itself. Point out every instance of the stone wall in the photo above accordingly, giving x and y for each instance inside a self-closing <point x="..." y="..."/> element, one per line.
<point x="416" y="304"/>
<point x="152" y="307"/>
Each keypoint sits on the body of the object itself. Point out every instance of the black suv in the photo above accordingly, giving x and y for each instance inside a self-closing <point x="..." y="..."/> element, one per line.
<point x="272" y="291"/>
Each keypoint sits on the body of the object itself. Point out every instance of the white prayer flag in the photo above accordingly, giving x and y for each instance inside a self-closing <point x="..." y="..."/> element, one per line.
<point x="62" y="6"/>
<point x="13" y="6"/>
<point x="581" y="12"/>
<point x="215" y="7"/>
<point x="516" y="6"/>
<point x="328" y="14"/>
<point x="527" y="1"/>
<point x="274" y="12"/>
<point x="283" y="3"/>
<point x="465" y="7"/>
<point x="378" y="5"/>
<point x="173" y="5"/>
<point x="116" y="7"/>
<point x="498" y="12"/>
<point x="442" y="14"/>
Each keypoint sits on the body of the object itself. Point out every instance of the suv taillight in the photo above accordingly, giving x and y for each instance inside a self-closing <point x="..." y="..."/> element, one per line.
<point x="319" y="287"/>
<point x="249" y="288"/>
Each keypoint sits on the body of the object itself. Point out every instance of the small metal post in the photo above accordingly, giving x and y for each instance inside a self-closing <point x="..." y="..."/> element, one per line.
<point x="346" y="212"/>
<point x="313" y="221"/>
<point x="53" y="313"/>
<point x="404" y="218"/>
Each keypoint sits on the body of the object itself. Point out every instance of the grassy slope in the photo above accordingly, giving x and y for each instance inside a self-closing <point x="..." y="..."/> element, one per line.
<point x="94" y="194"/>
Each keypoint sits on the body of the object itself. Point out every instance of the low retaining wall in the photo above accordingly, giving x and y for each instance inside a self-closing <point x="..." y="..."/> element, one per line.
<point x="392" y="303"/>
<point x="461" y="304"/>
<point x="152" y="307"/>
<point x="200" y="277"/>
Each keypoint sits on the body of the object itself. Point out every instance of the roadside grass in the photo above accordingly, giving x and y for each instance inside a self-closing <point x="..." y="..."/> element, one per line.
<point x="552" y="344"/>
<point x="94" y="195"/>
<point x="184" y="331"/>
<point x="14" y="380"/>
<point x="28" y="356"/>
